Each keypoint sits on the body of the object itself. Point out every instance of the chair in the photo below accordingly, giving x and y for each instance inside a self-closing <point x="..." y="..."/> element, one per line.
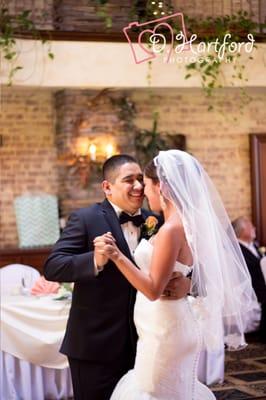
<point x="211" y="366"/>
<point x="211" y="362"/>
<point x="253" y="318"/>
<point x="14" y="276"/>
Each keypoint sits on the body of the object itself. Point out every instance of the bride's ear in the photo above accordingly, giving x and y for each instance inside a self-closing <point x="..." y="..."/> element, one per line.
<point x="158" y="187"/>
<point x="163" y="202"/>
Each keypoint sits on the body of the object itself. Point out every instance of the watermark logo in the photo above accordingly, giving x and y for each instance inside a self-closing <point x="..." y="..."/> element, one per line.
<point x="157" y="38"/>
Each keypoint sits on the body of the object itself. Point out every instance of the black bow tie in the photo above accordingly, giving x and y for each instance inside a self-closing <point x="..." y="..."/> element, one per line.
<point x="136" y="219"/>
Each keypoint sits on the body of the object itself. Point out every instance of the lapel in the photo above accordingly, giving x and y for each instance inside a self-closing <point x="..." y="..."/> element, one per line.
<point x="113" y="222"/>
<point x="249" y="253"/>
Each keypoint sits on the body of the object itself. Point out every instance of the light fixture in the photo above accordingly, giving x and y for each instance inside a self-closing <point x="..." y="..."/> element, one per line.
<point x="87" y="156"/>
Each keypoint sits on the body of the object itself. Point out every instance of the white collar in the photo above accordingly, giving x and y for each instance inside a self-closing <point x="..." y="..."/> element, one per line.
<point x="251" y="247"/>
<point x="119" y="210"/>
<point x="246" y="244"/>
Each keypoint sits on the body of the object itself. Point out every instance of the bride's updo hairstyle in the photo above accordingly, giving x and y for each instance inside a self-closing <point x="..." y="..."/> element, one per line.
<point x="151" y="172"/>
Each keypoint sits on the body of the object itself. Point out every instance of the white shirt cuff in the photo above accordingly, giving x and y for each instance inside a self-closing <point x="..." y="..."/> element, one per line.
<point x="97" y="269"/>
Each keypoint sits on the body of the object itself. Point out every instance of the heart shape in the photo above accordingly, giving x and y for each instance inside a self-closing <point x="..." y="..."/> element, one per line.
<point x="153" y="33"/>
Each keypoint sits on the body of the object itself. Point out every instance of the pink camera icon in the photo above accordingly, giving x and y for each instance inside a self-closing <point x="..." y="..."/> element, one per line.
<point x="158" y="41"/>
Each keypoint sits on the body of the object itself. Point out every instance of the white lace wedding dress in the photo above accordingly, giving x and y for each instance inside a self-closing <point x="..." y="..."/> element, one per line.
<point x="168" y="347"/>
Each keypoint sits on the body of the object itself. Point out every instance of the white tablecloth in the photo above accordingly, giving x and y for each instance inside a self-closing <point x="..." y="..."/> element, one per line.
<point x="32" y="329"/>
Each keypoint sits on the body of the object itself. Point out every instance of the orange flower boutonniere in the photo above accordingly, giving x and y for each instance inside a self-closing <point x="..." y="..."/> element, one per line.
<point x="150" y="226"/>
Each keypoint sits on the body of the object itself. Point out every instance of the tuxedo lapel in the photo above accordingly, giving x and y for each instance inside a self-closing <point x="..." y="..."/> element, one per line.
<point x="250" y="253"/>
<point x="113" y="222"/>
<point x="247" y="253"/>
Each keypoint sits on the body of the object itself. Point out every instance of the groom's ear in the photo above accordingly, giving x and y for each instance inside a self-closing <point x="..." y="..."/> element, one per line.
<point x="106" y="188"/>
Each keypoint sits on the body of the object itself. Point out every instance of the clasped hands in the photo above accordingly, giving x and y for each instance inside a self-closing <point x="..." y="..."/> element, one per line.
<point x="105" y="249"/>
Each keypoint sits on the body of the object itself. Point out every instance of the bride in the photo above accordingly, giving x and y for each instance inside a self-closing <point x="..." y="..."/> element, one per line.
<point x="196" y="237"/>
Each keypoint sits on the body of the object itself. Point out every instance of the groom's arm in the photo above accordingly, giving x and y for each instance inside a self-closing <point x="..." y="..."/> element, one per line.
<point x="72" y="257"/>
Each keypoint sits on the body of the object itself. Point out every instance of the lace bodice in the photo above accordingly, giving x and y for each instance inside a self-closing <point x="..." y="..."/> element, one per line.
<point x="143" y="255"/>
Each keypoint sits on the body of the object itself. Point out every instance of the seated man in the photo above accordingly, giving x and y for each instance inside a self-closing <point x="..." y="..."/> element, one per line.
<point x="246" y="234"/>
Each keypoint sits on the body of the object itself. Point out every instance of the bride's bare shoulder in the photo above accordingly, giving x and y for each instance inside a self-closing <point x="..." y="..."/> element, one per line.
<point x="173" y="226"/>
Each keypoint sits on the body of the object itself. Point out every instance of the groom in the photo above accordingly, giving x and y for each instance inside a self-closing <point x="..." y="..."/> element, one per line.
<point x="100" y="339"/>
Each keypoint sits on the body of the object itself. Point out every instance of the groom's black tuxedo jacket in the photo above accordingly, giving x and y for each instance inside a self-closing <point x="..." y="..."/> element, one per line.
<point x="100" y="325"/>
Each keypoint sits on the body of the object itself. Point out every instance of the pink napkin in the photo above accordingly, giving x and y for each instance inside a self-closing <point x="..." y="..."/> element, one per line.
<point x="42" y="287"/>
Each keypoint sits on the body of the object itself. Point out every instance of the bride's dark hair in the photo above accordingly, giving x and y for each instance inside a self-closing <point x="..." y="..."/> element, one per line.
<point x="151" y="172"/>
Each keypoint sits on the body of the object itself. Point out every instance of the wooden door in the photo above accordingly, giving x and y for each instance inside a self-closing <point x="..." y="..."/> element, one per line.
<point x="258" y="184"/>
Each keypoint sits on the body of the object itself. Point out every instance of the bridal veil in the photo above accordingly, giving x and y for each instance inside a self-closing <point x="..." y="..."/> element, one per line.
<point x="220" y="278"/>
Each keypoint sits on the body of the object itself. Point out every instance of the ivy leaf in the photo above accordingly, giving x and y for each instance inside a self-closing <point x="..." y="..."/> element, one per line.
<point x="17" y="68"/>
<point x="10" y="55"/>
<point x="25" y="14"/>
<point x="108" y="22"/>
<point x="192" y="66"/>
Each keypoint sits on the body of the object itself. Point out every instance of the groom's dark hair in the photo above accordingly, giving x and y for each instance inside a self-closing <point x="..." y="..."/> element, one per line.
<point x="113" y="163"/>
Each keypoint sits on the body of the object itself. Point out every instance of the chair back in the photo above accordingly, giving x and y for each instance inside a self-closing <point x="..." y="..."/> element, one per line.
<point x="14" y="276"/>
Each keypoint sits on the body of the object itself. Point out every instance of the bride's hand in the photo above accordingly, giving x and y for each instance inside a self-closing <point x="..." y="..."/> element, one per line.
<point x="104" y="248"/>
<point x="110" y="248"/>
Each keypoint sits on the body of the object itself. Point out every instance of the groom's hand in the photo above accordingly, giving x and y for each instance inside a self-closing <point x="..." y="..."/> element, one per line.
<point x="100" y="256"/>
<point x="177" y="287"/>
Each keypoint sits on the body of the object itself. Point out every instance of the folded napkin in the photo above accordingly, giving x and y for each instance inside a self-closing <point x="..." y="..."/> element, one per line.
<point x="42" y="287"/>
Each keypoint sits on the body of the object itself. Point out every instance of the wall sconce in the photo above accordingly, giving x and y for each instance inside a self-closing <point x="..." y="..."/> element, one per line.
<point x="88" y="156"/>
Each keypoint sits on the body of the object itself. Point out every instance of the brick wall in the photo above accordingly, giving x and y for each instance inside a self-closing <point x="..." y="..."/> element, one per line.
<point x="219" y="141"/>
<point x="28" y="154"/>
<point x="41" y="11"/>
<point x="204" y="8"/>
<point x="101" y="117"/>
<point x="80" y="15"/>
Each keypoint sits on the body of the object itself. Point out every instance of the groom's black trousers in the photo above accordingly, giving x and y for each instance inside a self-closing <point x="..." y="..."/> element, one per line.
<point x="93" y="381"/>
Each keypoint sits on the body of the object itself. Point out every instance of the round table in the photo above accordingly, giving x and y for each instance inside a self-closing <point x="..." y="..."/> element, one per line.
<point x="32" y="331"/>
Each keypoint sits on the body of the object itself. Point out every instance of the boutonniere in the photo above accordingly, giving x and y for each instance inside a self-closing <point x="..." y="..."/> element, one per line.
<point x="150" y="226"/>
<point x="262" y="250"/>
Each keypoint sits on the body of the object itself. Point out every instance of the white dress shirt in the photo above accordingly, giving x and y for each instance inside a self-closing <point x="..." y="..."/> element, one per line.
<point x="250" y="246"/>
<point x="130" y="231"/>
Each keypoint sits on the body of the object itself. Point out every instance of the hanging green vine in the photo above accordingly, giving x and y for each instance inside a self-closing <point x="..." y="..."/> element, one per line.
<point x="9" y="26"/>
<point x="210" y="69"/>
<point x="102" y="11"/>
<point x="226" y="31"/>
<point x="140" y="10"/>
<point x="149" y="142"/>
